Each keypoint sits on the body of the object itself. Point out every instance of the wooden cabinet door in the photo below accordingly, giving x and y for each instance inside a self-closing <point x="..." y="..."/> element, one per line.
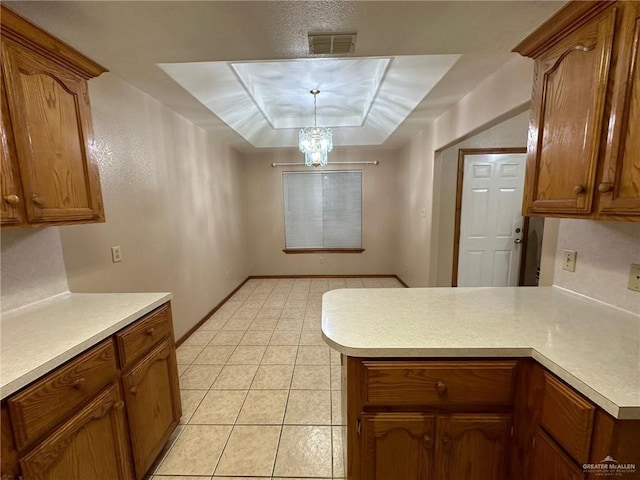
<point x="397" y="445"/>
<point x="153" y="404"/>
<point x="472" y="446"/>
<point x="570" y="85"/>
<point x="50" y="114"/>
<point x="620" y="186"/>
<point x="92" y="445"/>
<point x="549" y="462"/>
<point x="11" y="203"/>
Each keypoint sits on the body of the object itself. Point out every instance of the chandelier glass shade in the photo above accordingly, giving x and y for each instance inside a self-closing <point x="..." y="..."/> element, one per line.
<point x="315" y="142"/>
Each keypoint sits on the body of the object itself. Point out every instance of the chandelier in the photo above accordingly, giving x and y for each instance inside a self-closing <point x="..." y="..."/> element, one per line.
<point x="315" y="142"/>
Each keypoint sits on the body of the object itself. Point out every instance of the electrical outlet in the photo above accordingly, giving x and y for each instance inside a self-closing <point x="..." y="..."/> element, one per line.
<point x="634" y="277"/>
<point x="321" y="260"/>
<point x="116" y="255"/>
<point x="569" y="260"/>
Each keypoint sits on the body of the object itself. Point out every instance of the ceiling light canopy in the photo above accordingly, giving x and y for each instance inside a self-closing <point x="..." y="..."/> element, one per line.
<point x="315" y="142"/>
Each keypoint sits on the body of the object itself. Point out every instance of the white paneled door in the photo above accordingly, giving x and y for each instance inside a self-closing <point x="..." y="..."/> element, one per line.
<point x="491" y="225"/>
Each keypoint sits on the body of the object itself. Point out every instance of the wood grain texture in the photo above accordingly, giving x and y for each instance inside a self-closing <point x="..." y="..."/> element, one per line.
<point x="398" y="445"/>
<point x="92" y="445"/>
<point x="10" y="186"/>
<point x="620" y="182"/>
<point x="153" y="404"/>
<point x="472" y="446"/>
<point x="618" y="439"/>
<point x="549" y="462"/>
<point x="355" y="405"/>
<point x="51" y="120"/>
<point x="21" y="30"/>
<point x="569" y="18"/>
<point x="567" y="417"/>
<point x="569" y="90"/>
<point x="9" y="468"/>
<point x="40" y="407"/>
<point x="438" y="383"/>
<point x="136" y="340"/>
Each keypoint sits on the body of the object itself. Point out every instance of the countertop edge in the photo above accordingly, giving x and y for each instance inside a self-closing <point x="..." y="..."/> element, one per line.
<point x="14" y="385"/>
<point x="617" y="411"/>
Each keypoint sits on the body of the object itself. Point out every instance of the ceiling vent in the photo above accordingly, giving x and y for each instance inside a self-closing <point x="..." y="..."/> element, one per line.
<point x="332" y="44"/>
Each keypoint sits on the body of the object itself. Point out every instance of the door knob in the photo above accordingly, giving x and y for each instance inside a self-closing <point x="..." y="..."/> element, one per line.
<point x="605" y="187"/>
<point x="579" y="189"/>
<point x="517" y="241"/>
<point x="12" y="199"/>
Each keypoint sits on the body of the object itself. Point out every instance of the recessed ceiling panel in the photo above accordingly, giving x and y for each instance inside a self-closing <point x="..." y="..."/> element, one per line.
<point x="363" y="99"/>
<point x="281" y="90"/>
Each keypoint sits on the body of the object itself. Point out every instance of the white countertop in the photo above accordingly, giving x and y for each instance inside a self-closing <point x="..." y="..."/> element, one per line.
<point x="39" y="337"/>
<point x="592" y="346"/>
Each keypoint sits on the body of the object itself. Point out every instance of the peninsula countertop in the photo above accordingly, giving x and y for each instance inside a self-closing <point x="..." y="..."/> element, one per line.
<point x="37" y="338"/>
<point x="592" y="346"/>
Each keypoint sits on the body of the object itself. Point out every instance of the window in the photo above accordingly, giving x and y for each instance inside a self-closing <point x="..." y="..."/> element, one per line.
<point x="323" y="210"/>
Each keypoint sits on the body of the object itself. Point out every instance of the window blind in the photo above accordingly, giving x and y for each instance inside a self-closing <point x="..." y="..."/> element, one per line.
<point x="323" y="209"/>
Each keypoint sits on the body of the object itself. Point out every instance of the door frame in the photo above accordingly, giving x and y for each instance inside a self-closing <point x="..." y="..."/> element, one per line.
<point x="456" y="232"/>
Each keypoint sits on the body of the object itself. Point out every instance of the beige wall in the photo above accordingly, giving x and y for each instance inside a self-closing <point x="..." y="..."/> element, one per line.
<point x="605" y="252"/>
<point x="173" y="203"/>
<point x="32" y="266"/>
<point x="510" y="133"/>
<point x="265" y="217"/>
<point x="501" y="95"/>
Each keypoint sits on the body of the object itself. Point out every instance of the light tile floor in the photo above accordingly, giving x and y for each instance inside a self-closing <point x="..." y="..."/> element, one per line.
<point x="260" y="388"/>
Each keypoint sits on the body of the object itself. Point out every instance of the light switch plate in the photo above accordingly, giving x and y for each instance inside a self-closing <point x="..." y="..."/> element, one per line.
<point x="634" y="277"/>
<point x="569" y="260"/>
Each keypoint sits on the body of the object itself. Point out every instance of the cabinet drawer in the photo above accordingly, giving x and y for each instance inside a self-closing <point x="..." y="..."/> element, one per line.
<point x="137" y="339"/>
<point x="43" y="405"/>
<point x="549" y="462"/>
<point x="438" y="383"/>
<point x="567" y="417"/>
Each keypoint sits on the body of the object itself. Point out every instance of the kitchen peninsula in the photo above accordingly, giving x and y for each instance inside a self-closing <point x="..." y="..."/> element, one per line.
<point x="485" y="383"/>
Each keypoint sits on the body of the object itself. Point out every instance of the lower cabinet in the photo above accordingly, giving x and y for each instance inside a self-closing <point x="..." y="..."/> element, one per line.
<point x="92" y="445"/>
<point x="76" y="423"/>
<point x="472" y="446"/>
<point x="417" y="446"/>
<point x="549" y="462"/>
<point x="153" y="404"/>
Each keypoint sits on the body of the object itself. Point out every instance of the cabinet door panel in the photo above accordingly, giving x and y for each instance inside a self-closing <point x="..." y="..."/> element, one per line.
<point x="472" y="446"/>
<point x="397" y="445"/>
<point x="92" y="445"/>
<point x="620" y="187"/>
<point x="549" y="462"/>
<point x="11" y="203"/>
<point x="50" y="112"/>
<point x="153" y="404"/>
<point x="570" y="83"/>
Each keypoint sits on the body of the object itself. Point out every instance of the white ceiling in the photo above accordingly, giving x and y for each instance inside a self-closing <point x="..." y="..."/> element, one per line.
<point x="242" y="68"/>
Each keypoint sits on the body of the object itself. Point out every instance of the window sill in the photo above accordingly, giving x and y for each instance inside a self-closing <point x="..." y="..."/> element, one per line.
<point x="323" y="250"/>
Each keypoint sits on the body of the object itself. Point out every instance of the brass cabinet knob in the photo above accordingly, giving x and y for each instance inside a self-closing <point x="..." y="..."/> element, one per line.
<point x="151" y="331"/>
<point x="428" y="441"/>
<point x="579" y="189"/>
<point x="118" y="405"/>
<point x="446" y="442"/>
<point x="12" y="199"/>
<point x="605" y="187"/>
<point x="37" y="200"/>
<point x="133" y="390"/>
<point x="441" y="388"/>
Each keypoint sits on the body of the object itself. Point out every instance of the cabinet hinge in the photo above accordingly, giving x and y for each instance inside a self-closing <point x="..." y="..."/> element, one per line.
<point x="358" y="426"/>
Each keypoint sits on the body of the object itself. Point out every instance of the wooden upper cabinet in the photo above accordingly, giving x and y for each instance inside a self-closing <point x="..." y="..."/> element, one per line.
<point x="583" y="149"/>
<point x="620" y="184"/>
<point x="397" y="445"/>
<point x="472" y="446"/>
<point x="49" y="119"/>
